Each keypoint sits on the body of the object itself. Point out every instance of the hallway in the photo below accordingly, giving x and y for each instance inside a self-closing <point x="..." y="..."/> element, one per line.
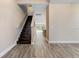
<point x="42" y="49"/>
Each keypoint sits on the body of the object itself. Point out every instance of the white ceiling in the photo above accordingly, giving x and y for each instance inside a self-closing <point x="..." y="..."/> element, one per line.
<point x="64" y="1"/>
<point x="32" y="1"/>
<point x="39" y="7"/>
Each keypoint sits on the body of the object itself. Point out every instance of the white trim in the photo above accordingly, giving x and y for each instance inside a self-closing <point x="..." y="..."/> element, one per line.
<point x="63" y="41"/>
<point x="6" y="50"/>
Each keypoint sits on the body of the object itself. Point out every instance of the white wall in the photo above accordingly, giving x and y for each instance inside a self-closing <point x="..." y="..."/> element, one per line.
<point x="11" y="17"/>
<point x="64" y="23"/>
<point x="40" y="19"/>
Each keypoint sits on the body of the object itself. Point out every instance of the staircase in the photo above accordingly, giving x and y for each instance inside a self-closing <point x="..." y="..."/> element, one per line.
<point x="25" y="37"/>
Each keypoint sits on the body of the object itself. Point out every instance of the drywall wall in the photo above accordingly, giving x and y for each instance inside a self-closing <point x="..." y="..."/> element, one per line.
<point x="40" y="17"/>
<point x="11" y="17"/>
<point x="64" y="23"/>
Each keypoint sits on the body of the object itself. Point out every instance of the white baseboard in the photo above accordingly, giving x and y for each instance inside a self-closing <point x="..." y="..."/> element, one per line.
<point x="6" y="50"/>
<point x="63" y="41"/>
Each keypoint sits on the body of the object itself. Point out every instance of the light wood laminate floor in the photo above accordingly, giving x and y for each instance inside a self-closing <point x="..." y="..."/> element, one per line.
<point x="42" y="49"/>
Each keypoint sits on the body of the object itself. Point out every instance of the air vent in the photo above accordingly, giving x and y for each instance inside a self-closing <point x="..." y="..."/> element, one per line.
<point x="38" y="14"/>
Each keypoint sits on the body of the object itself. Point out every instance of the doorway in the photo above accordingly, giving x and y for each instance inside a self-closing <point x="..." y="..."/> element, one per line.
<point x="40" y="24"/>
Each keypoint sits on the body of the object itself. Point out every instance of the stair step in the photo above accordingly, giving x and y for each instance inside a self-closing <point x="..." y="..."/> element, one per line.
<point x="23" y="42"/>
<point x="28" y="32"/>
<point x="27" y="36"/>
